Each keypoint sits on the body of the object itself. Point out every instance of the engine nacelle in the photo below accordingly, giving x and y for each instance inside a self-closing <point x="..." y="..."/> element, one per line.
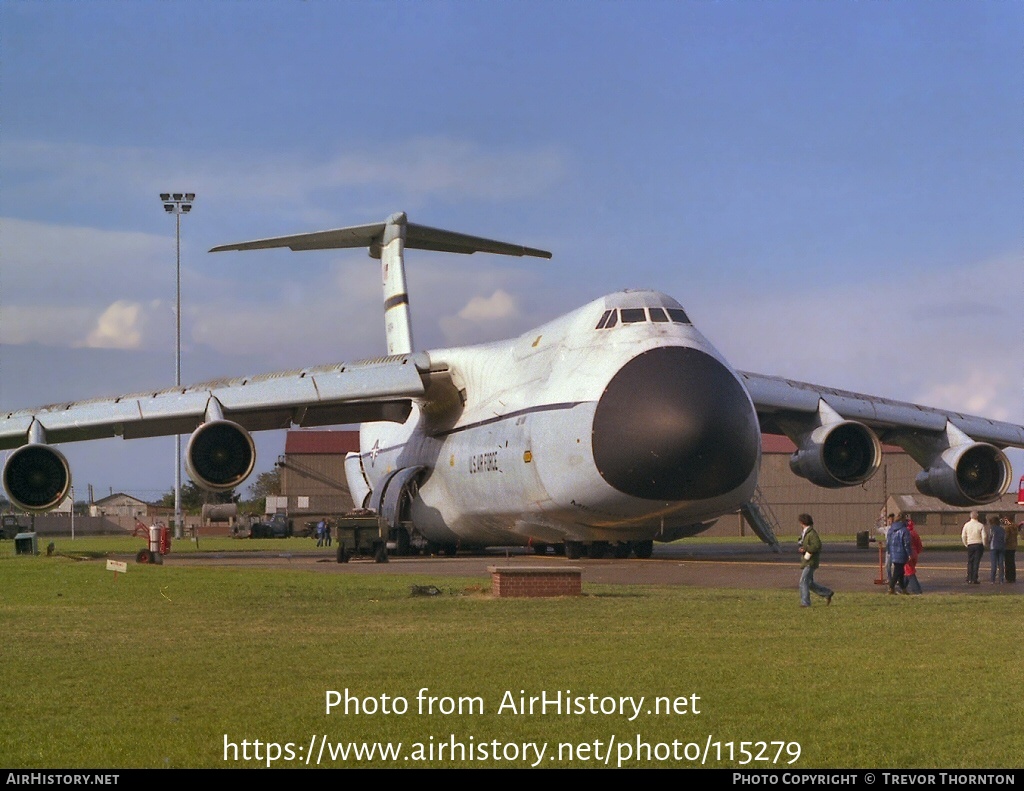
<point x="220" y="455"/>
<point x="37" y="478"/>
<point x="973" y="474"/>
<point x="840" y="454"/>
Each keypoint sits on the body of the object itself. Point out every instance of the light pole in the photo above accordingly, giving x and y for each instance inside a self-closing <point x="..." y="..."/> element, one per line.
<point x="177" y="203"/>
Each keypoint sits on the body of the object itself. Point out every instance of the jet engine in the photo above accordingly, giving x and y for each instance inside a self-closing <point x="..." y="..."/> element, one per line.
<point x="36" y="477"/>
<point x="839" y="454"/>
<point x="969" y="474"/>
<point x="220" y="455"/>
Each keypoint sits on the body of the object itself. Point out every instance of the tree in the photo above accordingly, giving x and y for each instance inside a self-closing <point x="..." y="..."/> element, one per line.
<point x="193" y="498"/>
<point x="267" y="484"/>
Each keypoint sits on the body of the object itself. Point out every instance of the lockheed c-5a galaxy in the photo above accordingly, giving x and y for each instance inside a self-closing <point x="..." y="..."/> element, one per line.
<point x="607" y="429"/>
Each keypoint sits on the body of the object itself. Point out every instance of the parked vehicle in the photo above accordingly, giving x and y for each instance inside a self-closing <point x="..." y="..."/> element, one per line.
<point x="278" y="526"/>
<point x="9" y="527"/>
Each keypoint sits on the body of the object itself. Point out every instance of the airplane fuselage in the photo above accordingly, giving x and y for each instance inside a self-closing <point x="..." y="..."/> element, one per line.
<point x="616" y="422"/>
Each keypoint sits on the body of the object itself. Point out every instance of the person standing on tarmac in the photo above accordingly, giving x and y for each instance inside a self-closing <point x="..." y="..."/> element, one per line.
<point x="997" y="548"/>
<point x="974" y="537"/>
<point x="910" y="569"/>
<point x="899" y="544"/>
<point x="1012" y="532"/>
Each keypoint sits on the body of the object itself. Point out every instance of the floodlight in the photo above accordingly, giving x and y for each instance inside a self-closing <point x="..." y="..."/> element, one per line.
<point x="177" y="203"/>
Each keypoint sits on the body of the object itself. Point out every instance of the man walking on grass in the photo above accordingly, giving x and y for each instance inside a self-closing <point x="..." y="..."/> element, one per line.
<point x="810" y="553"/>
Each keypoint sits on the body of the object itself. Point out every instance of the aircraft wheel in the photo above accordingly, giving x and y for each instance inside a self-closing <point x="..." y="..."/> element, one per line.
<point x="157" y="558"/>
<point x="559" y="549"/>
<point x="380" y="552"/>
<point x="643" y="549"/>
<point x="621" y="550"/>
<point x="401" y="542"/>
<point x="597" y="549"/>
<point x="142" y="556"/>
<point x="450" y="550"/>
<point x="573" y="550"/>
<point x="432" y="548"/>
<point x="342" y="554"/>
<point x="540" y="549"/>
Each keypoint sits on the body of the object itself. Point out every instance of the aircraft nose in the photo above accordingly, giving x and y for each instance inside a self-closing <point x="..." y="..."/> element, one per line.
<point x="675" y="424"/>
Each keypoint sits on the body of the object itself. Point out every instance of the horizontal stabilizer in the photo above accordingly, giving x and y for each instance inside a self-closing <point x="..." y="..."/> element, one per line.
<point x="420" y="237"/>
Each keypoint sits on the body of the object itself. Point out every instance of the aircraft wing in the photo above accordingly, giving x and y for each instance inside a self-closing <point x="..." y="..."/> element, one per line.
<point x="838" y="435"/>
<point x="379" y="389"/>
<point x="775" y="397"/>
<point x="219" y="415"/>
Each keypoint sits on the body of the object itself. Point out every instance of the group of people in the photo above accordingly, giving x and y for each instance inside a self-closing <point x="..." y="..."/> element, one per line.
<point x="999" y="536"/>
<point x="323" y="533"/>
<point x="903" y="545"/>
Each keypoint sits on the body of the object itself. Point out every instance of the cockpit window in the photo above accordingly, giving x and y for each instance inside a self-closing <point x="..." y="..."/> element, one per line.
<point x="638" y="315"/>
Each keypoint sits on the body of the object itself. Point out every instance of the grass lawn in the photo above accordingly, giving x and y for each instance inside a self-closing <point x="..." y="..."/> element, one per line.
<point x="158" y="667"/>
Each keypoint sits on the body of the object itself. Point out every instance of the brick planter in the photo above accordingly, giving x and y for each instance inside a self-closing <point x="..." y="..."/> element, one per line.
<point x="536" y="581"/>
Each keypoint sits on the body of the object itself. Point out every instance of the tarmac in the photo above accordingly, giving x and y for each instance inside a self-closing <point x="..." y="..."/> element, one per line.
<point x="844" y="567"/>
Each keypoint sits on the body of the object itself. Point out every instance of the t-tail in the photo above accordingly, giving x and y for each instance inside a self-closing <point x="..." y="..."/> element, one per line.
<point x="387" y="241"/>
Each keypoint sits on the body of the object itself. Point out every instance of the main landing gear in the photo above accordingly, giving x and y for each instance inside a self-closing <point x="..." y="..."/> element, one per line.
<point x="599" y="549"/>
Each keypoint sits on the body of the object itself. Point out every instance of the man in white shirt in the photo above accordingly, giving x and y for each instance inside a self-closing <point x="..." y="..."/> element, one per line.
<point x="974" y="537"/>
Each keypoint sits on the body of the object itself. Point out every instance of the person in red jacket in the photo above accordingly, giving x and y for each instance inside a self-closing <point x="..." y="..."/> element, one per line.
<point x="910" y="567"/>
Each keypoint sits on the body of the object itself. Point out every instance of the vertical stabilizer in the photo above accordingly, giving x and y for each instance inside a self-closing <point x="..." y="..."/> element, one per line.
<point x="397" y="320"/>
<point x="387" y="241"/>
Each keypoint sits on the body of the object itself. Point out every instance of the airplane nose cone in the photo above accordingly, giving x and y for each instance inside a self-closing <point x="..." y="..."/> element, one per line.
<point x="675" y="424"/>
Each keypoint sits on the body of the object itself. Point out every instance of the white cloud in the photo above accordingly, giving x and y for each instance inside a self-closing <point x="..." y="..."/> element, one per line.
<point x="500" y="305"/>
<point x="117" y="328"/>
<point x="483" y="319"/>
<point x="133" y="325"/>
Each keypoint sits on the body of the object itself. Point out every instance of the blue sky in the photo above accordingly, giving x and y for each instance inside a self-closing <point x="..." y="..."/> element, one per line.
<point x="833" y="190"/>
